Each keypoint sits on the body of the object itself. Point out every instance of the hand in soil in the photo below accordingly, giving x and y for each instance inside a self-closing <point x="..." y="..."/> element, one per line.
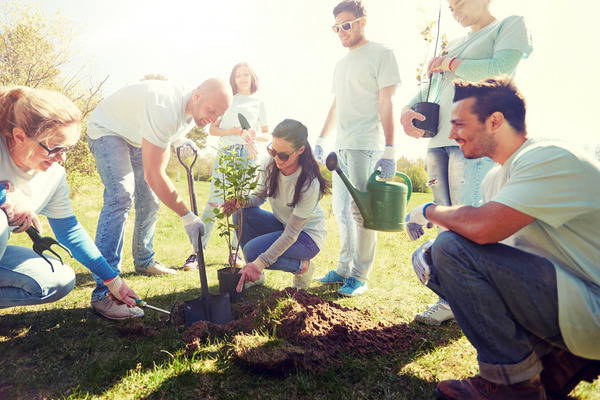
<point x="250" y="273"/>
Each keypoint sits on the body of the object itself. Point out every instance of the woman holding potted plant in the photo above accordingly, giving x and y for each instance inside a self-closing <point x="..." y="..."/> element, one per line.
<point x="290" y="236"/>
<point x="492" y="47"/>
<point x="234" y="138"/>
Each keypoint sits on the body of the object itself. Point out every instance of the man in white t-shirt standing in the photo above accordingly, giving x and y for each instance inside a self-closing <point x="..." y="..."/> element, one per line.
<point x="129" y="134"/>
<point x="522" y="270"/>
<point x="364" y="84"/>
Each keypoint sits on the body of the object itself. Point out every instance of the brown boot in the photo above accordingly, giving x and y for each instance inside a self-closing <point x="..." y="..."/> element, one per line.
<point x="477" y="388"/>
<point x="563" y="371"/>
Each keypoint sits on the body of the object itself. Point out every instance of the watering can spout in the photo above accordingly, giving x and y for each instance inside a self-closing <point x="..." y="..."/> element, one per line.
<point x="362" y="199"/>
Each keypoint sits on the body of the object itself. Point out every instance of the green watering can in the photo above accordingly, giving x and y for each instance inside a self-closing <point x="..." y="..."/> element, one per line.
<point x="383" y="204"/>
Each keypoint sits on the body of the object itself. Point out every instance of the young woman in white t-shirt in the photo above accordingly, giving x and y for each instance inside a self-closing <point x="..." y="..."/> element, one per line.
<point x="37" y="129"/>
<point x="244" y="84"/>
<point x="290" y="236"/>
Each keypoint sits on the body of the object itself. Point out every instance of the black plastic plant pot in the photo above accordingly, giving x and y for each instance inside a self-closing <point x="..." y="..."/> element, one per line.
<point x="431" y="111"/>
<point x="228" y="283"/>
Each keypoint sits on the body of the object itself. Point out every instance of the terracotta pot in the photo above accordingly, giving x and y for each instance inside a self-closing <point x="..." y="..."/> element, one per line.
<point x="431" y="111"/>
<point x="228" y="283"/>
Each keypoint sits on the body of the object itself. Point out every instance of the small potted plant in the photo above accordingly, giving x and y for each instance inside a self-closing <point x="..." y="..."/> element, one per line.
<point x="237" y="182"/>
<point x="430" y="109"/>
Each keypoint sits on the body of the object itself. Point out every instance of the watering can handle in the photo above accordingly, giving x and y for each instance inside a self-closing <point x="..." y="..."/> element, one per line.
<point x="408" y="183"/>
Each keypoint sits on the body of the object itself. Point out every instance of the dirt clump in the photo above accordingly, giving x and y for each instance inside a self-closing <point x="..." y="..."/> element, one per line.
<point x="309" y="333"/>
<point x="137" y="329"/>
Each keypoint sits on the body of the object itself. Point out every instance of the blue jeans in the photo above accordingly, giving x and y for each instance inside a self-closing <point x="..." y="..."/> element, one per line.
<point x="260" y="229"/>
<point x="215" y="200"/>
<point x="26" y="278"/>
<point x="454" y="179"/>
<point x="357" y="244"/>
<point x="120" y="167"/>
<point x="505" y="301"/>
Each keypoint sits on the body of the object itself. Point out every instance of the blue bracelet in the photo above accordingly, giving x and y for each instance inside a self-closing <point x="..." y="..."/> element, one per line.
<point x="425" y="208"/>
<point x="2" y="193"/>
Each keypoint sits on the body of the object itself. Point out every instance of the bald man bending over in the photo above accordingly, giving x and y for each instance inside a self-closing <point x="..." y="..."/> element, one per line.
<point x="129" y="134"/>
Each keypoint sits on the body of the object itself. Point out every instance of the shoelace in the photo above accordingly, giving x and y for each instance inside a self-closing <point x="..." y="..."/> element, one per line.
<point x="351" y="282"/>
<point x="433" y="309"/>
<point x="191" y="259"/>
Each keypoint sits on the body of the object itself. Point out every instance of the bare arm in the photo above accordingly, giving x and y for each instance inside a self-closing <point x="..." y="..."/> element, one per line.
<point x="216" y="130"/>
<point x="329" y="122"/>
<point x="489" y="223"/>
<point x="386" y="112"/>
<point x="155" y="161"/>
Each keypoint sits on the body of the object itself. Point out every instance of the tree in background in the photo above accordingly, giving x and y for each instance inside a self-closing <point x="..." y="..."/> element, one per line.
<point x="416" y="171"/>
<point x="43" y="51"/>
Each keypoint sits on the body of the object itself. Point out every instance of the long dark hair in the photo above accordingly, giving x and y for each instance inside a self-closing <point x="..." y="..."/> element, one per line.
<point x="296" y="133"/>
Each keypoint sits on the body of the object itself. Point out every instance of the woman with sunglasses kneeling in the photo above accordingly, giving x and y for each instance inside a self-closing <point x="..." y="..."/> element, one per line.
<point x="37" y="129"/>
<point x="290" y="236"/>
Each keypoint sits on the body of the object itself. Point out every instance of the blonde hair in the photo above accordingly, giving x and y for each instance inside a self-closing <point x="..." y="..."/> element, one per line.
<point x="39" y="113"/>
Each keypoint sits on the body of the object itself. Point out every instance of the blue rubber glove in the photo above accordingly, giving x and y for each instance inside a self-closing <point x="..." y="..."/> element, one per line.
<point x="387" y="163"/>
<point x="318" y="151"/>
<point x="415" y="231"/>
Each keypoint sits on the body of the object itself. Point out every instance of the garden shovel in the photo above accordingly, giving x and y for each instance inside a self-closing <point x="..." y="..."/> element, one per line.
<point x="207" y="307"/>
<point x="246" y="125"/>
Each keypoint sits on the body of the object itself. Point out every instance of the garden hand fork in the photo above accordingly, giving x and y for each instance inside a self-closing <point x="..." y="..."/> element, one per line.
<point x="41" y="244"/>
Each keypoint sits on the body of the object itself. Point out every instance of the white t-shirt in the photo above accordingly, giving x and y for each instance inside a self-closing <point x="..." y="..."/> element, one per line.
<point x="47" y="191"/>
<point x="151" y="110"/>
<point x="558" y="184"/>
<point x="357" y="79"/>
<point x="252" y="108"/>
<point x="508" y="34"/>
<point x="307" y="207"/>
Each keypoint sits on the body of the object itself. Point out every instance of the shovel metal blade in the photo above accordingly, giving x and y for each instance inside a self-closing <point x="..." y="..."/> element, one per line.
<point x="214" y="308"/>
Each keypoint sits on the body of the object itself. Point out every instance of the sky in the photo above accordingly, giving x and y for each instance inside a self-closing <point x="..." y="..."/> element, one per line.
<point x="293" y="50"/>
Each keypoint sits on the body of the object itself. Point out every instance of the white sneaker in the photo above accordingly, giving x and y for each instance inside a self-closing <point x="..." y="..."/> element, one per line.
<point x="436" y="314"/>
<point x="421" y="260"/>
<point x="112" y="310"/>
<point x="156" y="269"/>
<point x="260" y="281"/>
<point x="302" y="281"/>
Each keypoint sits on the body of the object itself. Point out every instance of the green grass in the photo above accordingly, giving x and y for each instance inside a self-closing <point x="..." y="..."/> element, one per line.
<point x="65" y="350"/>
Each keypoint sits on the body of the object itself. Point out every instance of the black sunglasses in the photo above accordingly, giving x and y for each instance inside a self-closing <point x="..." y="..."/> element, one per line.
<point x="57" y="151"/>
<point x="282" y="156"/>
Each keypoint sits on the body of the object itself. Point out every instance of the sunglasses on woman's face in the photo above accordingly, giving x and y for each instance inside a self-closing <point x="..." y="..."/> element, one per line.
<point x="282" y="156"/>
<point x="346" y="26"/>
<point x="56" y="151"/>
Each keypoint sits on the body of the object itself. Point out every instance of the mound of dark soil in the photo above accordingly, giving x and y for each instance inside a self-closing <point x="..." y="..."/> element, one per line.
<point x="309" y="332"/>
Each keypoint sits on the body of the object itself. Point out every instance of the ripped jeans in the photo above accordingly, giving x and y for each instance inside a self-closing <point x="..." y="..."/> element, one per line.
<point x="455" y="180"/>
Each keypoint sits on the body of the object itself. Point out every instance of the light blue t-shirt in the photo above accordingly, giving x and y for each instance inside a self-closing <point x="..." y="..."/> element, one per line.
<point x="151" y="110"/>
<point x="559" y="184"/>
<point x="510" y="33"/>
<point x="356" y="83"/>
<point x="47" y="191"/>
<point x="252" y="108"/>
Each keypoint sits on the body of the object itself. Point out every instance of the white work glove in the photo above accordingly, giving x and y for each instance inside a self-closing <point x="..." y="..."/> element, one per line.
<point x="408" y="114"/>
<point x="415" y="231"/>
<point x="19" y="212"/>
<point x="193" y="225"/>
<point x="387" y="163"/>
<point x="120" y="292"/>
<point x="187" y="147"/>
<point x="417" y="216"/>
<point x="250" y="273"/>
<point x="318" y="151"/>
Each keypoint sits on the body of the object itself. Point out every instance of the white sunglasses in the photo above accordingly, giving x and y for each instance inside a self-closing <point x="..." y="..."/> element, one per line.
<point x="346" y="26"/>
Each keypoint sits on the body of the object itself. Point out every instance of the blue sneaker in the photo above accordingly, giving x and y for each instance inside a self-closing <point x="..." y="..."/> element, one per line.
<point x="330" y="278"/>
<point x="353" y="287"/>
